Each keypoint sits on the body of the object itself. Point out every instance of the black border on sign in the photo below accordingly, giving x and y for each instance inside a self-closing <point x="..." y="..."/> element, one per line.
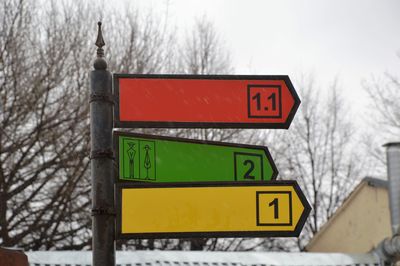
<point x="279" y="87"/>
<point x="139" y="170"/>
<point x="294" y="233"/>
<point x="173" y="124"/>
<point x="117" y="134"/>
<point x="290" y="223"/>
<point x="235" y="154"/>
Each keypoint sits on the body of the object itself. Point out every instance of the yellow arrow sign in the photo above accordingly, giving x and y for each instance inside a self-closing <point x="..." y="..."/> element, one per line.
<point x="276" y="208"/>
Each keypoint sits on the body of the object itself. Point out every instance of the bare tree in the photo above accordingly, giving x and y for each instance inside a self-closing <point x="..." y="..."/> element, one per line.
<point x="142" y="42"/>
<point x="43" y="135"/>
<point x="384" y="93"/>
<point x="319" y="152"/>
<point x="383" y="118"/>
<point x="203" y="52"/>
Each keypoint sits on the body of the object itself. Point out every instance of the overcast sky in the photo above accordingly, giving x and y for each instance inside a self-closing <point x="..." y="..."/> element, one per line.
<point x="351" y="39"/>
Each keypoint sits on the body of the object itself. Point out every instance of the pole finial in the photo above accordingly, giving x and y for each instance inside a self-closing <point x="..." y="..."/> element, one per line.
<point x="100" y="63"/>
<point x="99" y="41"/>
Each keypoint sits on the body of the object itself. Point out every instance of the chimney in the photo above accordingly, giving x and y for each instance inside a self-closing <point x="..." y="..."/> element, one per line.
<point x="393" y="171"/>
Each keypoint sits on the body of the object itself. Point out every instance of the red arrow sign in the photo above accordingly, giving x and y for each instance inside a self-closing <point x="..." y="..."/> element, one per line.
<point x="176" y="101"/>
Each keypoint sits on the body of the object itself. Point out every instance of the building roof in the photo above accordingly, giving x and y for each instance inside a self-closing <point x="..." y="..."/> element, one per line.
<point x="202" y="258"/>
<point x="347" y="203"/>
<point x="375" y="182"/>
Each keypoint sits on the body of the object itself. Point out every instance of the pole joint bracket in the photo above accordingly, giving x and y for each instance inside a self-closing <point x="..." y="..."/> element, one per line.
<point x="102" y="154"/>
<point x="108" y="98"/>
<point x="103" y="211"/>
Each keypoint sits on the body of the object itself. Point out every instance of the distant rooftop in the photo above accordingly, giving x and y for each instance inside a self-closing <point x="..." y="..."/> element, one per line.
<point x="353" y="216"/>
<point x="375" y="182"/>
<point x="202" y="258"/>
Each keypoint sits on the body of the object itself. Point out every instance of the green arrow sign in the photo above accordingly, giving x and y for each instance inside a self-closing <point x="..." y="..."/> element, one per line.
<point x="149" y="158"/>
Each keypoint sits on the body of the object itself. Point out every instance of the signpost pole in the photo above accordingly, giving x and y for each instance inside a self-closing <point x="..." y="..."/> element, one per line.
<point x="101" y="124"/>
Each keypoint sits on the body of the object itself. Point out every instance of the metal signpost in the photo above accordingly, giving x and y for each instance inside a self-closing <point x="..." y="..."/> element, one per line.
<point x="102" y="172"/>
<point x="174" y="187"/>
<point x="159" y="159"/>
<point x="208" y="101"/>
<point x="275" y="208"/>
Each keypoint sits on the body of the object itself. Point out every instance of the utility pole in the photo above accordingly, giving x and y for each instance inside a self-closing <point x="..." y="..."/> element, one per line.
<point x="102" y="159"/>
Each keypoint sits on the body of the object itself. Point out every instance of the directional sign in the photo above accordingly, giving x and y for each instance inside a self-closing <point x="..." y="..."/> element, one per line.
<point x="164" y="159"/>
<point x="276" y="208"/>
<point x="190" y="101"/>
